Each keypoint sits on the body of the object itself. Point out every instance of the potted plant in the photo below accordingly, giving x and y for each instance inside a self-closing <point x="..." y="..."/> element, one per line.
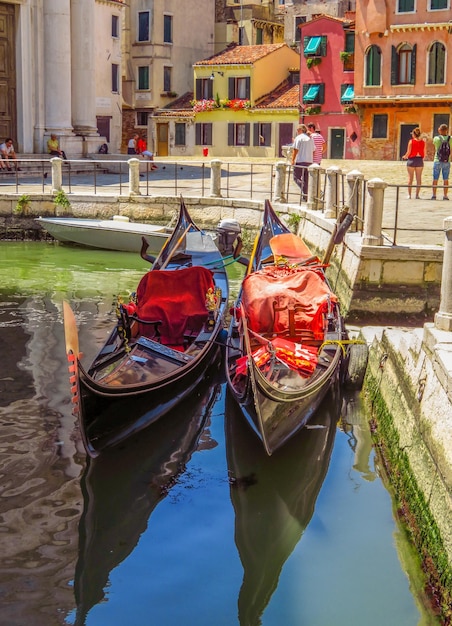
<point x="344" y="56"/>
<point x="313" y="61"/>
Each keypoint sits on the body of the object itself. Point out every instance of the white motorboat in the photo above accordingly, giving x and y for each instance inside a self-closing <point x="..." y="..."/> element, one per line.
<point x="115" y="234"/>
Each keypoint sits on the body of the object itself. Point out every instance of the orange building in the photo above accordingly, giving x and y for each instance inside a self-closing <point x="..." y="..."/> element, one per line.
<point x="403" y="75"/>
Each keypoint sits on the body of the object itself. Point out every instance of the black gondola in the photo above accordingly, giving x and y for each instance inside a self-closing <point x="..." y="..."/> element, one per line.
<point x="161" y="346"/>
<point x="287" y="342"/>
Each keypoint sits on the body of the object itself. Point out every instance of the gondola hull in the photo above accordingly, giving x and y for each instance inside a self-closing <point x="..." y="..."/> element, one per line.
<point x="164" y="341"/>
<point x="280" y="371"/>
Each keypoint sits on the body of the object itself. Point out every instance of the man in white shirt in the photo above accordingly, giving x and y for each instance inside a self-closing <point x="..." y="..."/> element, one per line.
<point x="8" y="154"/>
<point x="302" y="158"/>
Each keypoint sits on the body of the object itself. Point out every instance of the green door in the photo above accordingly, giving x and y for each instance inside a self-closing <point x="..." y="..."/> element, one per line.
<point x="337" y="143"/>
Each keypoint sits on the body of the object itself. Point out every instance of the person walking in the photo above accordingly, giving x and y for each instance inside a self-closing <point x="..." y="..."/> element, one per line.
<point x="302" y="158"/>
<point x="441" y="161"/>
<point x="319" y="143"/>
<point x="414" y="157"/>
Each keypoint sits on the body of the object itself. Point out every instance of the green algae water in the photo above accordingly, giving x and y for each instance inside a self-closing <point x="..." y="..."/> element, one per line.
<point x="190" y="523"/>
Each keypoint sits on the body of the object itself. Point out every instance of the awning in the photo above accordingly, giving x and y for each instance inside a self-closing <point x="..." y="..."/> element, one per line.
<point x="349" y="94"/>
<point x="312" y="93"/>
<point x="313" y="45"/>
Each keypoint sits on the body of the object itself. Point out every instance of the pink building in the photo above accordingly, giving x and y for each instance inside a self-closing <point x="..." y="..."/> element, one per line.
<point x="327" y="83"/>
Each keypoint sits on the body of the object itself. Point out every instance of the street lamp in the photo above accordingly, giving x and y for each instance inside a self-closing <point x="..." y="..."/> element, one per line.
<point x="215" y="72"/>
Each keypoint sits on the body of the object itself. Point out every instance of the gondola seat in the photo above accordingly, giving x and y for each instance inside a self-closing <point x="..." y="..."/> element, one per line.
<point x="287" y="302"/>
<point x="177" y="298"/>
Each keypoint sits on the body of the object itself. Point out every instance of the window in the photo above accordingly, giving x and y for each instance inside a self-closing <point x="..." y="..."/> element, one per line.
<point x="347" y="94"/>
<point x="300" y="19"/>
<point x="373" y="66"/>
<point x="115" y="78"/>
<point x="313" y="94"/>
<point x="380" y="126"/>
<point x="143" y="26"/>
<point x="115" y="26"/>
<point x="436" y="64"/>
<point x="438" y="119"/>
<point x="204" y="89"/>
<point x="259" y="36"/>
<point x="262" y="134"/>
<point x="314" y="46"/>
<point x="203" y="134"/>
<point x="405" y="6"/>
<point x="168" y="28"/>
<point x="179" y="139"/>
<point x="239" y="134"/>
<point x="143" y="77"/>
<point x="403" y="65"/>
<point x="142" y="118"/>
<point x="166" y="78"/>
<point x="438" y="5"/>
<point x="350" y="42"/>
<point x="241" y="35"/>
<point x="239" y="88"/>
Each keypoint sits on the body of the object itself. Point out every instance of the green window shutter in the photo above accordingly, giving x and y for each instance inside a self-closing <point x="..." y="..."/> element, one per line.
<point x="256" y="133"/>
<point x="248" y="87"/>
<point x="198" y="134"/>
<point x="247" y="134"/>
<point x="413" y="65"/>
<point x="198" y="89"/>
<point x="394" y="66"/>
<point x="231" y="88"/>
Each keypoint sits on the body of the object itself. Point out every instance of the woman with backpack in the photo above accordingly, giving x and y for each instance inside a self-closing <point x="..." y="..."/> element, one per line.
<point x="414" y="156"/>
<point x="441" y="162"/>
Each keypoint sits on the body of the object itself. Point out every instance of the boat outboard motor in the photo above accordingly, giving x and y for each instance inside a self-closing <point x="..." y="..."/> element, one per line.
<point x="229" y="231"/>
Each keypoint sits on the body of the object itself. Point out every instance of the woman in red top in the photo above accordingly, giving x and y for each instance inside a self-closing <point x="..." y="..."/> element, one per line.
<point x="414" y="156"/>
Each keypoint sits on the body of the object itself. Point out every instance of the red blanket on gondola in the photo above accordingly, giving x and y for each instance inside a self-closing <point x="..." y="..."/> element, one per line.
<point x="272" y="295"/>
<point x="177" y="298"/>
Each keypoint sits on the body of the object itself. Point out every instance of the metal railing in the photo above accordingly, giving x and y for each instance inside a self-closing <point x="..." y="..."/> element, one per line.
<point x="236" y="180"/>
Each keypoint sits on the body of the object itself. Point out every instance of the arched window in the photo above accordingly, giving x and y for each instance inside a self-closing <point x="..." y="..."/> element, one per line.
<point x="436" y="64"/>
<point x="403" y="65"/>
<point x="373" y="66"/>
<point x="405" y="60"/>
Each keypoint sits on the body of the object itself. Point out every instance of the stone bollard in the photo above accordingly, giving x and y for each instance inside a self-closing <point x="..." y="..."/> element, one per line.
<point x="314" y="202"/>
<point x="372" y="235"/>
<point x="443" y="319"/>
<point x="57" y="174"/>
<point x="279" y="193"/>
<point x="332" y="192"/>
<point x="134" y="176"/>
<point x="215" y="178"/>
<point x="354" y="196"/>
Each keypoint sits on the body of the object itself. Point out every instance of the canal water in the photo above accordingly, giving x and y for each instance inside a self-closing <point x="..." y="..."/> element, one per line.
<point x="189" y="523"/>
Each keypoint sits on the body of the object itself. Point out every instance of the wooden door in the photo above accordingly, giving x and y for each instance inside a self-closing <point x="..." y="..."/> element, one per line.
<point x="162" y="140"/>
<point x="405" y="136"/>
<point x="8" y="126"/>
<point x="286" y="133"/>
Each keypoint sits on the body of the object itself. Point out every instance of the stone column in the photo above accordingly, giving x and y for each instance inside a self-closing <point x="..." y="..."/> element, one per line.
<point x="332" y="192"/>
<point x="372" y="235"/>
<point x="215" y="178"/>
<point x="279" y="192"/>
<point x="314" y="202"/>
<point x="57" y="66"/>
<point x="83" y="38"/>
<point x="443" y="319"/>
<point x="354" y="196"/>
<point x="134" y="176"/>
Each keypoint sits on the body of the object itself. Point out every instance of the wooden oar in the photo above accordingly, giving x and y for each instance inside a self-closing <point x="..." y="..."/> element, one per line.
<point x="70" y="330"/>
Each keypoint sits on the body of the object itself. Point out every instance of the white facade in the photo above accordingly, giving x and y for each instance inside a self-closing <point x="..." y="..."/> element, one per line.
<point x="59" y="67"/>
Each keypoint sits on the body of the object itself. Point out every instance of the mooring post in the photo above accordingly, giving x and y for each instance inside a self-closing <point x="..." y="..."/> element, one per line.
<point x="332" y="192"/>
<point x="443" y="319"/>
<point x="314" y="203"/>
<point x="354" y="196"/>
<point x="215" y="178"/>
<point x="134" y="176"/>
<point x="279" y="193"/>
<point x="372" y="235"/>
<point x="57" y="174"/>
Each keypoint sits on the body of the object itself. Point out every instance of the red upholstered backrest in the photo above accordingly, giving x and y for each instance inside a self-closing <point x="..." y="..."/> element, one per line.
<point x="177" y="298"/>
<point x="305" y="290"/>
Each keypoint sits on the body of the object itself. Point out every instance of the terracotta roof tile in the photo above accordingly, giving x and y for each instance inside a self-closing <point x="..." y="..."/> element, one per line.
<point x="283" y="97"/>
<point x="241" y="54"/>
